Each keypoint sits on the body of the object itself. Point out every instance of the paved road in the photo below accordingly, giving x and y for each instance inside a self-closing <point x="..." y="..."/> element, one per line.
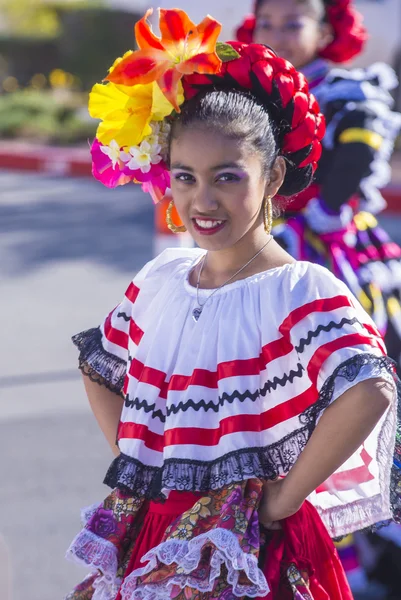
<point x="68" y="249"/>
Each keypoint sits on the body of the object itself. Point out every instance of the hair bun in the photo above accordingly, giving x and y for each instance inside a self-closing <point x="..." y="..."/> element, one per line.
<point x="245" y="31"/>
<point x="349" y="32"/>
<point x="284" y="93"/>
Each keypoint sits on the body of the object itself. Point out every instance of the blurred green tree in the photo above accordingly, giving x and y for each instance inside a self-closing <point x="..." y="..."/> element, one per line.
<point x="38" y="18"/>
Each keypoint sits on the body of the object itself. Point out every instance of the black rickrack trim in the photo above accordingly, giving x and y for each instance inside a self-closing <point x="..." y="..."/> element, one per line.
<point x="96" y="363"/>
<point x="210" y="405"/>
<point x="136" y="478"/>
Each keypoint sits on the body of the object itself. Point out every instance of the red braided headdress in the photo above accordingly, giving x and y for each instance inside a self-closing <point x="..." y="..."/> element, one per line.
<point x="284" y="92"/>
<point x="349" y="34"/>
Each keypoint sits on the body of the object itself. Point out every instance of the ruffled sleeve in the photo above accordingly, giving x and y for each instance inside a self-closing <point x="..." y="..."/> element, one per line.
<point x="337" y="343"/>
<point x="339" y="346"/>
<point x="104" y="350"/>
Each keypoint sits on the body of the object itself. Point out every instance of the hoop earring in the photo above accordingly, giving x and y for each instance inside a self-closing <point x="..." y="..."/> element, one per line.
<point x="268" y="214"/>
<point x="169" y="220"/>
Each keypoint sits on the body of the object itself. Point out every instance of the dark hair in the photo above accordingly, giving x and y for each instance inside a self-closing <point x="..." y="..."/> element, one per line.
<point x="239" y="115"/>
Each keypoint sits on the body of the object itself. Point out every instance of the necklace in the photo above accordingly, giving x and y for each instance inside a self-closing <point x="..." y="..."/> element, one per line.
<point x="197" y="311"/>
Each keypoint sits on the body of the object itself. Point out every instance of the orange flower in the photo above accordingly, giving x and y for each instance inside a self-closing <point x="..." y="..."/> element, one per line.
<point x="183" y="48"/>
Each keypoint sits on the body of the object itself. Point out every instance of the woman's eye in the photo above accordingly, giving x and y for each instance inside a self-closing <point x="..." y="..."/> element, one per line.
<point x="228" y="177"/>
<point x="263" y="24"/>
<point x="186" y="177"/>
<point x="293" y="26"/>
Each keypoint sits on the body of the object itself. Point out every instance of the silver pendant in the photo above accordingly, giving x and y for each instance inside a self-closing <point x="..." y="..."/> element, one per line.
<point x="196" y="313"/>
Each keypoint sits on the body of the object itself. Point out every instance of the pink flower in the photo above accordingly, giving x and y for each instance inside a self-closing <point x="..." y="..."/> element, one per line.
<point x="157" y="186"/>
<point x="106" y="168"/>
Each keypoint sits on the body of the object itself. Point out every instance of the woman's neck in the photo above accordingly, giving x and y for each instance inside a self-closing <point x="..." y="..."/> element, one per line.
<point x="220" y="265"/>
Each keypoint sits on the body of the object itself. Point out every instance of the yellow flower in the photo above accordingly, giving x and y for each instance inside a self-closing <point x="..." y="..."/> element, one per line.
<point x="182" y="531"/>
<point x="126" y="111"/>
<point x="199" y="510"/>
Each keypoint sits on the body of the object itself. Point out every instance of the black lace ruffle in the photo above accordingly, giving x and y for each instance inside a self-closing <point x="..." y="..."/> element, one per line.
<point x="268" y="462"/>
<point x="99" y="365"/>
<point x="348" y="370"/>
<point x="195" y="475"/>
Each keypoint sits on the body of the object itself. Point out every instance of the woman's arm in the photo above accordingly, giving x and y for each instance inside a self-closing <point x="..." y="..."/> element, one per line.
<point x="341" y="430"/>
<point x="106" y="406"/>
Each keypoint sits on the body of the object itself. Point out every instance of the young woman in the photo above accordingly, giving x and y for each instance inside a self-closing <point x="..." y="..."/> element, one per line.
<point x="253" y="404"/>
<point x="332" y="223"/>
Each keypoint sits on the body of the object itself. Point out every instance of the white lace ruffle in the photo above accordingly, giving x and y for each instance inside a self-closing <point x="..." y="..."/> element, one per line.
<point x="186" y="555"/>
<point x="87" y="549"/>
<point x="88" y="511"/>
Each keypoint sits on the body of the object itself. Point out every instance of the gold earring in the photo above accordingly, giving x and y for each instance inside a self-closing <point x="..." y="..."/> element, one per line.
<point x="268" y="214"/>
<point x="169" y="220"/>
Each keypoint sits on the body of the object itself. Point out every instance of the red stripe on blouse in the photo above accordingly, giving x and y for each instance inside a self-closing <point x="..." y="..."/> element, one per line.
<point x="132" y="292"/>
<point x="115" y="336"/>
<point x="251" y="423"/>
<point x="235" y="368"/>
<point x="321" y="305"/>
<point x="346" y="480"/>
<point x="135" y="332"/>
<point x="323" y="352"/>
<point x="136" y="431"/>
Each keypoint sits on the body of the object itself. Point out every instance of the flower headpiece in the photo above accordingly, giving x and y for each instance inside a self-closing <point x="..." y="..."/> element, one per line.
<point x="142" y="89"/>
<point x="145" y="88"/>
<point x="349" y="34"/>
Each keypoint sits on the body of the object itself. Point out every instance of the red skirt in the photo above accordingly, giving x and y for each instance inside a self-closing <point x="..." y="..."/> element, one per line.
<point x="303" y="546"/>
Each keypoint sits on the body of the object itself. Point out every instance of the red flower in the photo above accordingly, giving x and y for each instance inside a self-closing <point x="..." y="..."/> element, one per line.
<point x="183" y="48"/>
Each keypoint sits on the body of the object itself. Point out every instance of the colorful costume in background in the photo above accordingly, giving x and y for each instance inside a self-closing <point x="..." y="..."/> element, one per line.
<point x="332" y="223"/>
<point x="211" y="410"/>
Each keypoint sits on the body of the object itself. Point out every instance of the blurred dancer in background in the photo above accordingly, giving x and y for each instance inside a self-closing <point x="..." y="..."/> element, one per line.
<point x="332" y="222"/>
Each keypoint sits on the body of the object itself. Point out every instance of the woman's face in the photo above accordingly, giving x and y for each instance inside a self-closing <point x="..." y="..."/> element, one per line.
<point x="293" y="28"/>
<point x="218" y="186"/>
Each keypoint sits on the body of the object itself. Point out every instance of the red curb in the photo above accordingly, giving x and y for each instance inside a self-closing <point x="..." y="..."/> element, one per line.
<point x="73" y="162"/>
<point x="76" y="162"/>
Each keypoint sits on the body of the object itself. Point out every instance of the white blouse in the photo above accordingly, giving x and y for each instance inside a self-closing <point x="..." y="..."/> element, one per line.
<point x="238" y="393"/>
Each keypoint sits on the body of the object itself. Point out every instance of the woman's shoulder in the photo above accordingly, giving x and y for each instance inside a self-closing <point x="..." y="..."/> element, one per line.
<point x="168" y="262"/>
<point x="311" y="280"/>
<point x="308" y="288"/>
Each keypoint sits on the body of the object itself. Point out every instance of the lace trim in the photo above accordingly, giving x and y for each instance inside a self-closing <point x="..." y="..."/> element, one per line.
<point x="368" y="514"/>
<point x="277" y="459"/>
<point x="187" y="556"/>
<point x="129" y="474"/>
<point x="395" y="483"/>
<point x="87" y="513"/>
<point x="95" y="362"/>
<point x="88" y="549"/>
<point x="348" y="370"/>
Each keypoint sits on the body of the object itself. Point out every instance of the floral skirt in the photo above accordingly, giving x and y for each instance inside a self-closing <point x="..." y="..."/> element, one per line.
<point x="204" y="547"/>
<point x="364" y="257"/>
